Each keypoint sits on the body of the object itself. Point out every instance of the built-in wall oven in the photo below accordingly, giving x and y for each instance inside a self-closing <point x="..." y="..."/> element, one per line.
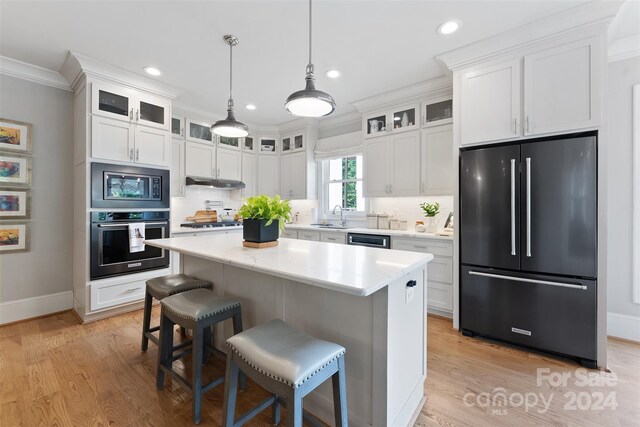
<point x="110" y="252"/>
<point x="130" y="187"/>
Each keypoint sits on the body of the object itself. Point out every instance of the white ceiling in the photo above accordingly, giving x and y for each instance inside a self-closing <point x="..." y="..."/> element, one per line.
<point x="377" y="45"/>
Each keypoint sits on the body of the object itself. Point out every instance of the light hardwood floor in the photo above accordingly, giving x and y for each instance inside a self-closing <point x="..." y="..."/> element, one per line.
<point x="55" y="371"/>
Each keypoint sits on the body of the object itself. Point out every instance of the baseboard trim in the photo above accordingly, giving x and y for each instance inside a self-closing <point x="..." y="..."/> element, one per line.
<point x="27" y="308"/>
<point x="623" y="326"/>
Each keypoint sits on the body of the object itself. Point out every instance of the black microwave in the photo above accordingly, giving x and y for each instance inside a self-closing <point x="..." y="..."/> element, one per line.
<point x="118" y="186"/>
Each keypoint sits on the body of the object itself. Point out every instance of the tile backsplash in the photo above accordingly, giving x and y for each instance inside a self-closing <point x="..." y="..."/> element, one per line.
<point x="408" y="208"/>
<point x="193" y="200"/>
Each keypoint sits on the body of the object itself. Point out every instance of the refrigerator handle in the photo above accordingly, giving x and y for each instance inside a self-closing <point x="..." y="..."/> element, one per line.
<point x="528" y="163"/>
<point x="525" y="280"/>
<point x="513" y="206"/>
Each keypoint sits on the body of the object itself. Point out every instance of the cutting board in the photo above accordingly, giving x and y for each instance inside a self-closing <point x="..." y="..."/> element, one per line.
<point x="204" y="216"/>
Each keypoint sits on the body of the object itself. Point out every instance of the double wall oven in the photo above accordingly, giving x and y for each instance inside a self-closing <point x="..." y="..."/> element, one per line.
<point x="128" y="193"/>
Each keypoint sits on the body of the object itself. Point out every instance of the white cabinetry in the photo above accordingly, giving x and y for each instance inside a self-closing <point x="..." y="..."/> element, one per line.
<point x="439" y="270"/>
<point x="436" y="161"/>
<point x="392" y="165"/>
<point x="333" y="237"/>
<point x="249" y="171"/>
<point x="229" y="164"/>
<point x="289" y="234"/>
<point x="309" y="235"/>
<point x="177" y="167"/>
<point x="200" y="159"/>
<point x="294" y="178"/>
<point x="400" y="119"/>
<point x="268" y="175"/>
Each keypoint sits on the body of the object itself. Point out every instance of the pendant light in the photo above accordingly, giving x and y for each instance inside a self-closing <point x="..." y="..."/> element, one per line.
<point x="230" y="127"/>
<point x="310" y="102"/>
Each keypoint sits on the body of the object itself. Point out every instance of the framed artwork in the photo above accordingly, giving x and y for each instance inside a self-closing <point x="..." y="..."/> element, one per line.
<point x="15" y="136"/>
<point x="14" y="203"/>
<point x="13" y="237"/>
<point x="449" y="222"/>
<point x="15" y="169"/>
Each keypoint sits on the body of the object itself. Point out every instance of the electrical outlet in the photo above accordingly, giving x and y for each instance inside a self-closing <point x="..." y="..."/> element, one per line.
<point x="408" y="295"/>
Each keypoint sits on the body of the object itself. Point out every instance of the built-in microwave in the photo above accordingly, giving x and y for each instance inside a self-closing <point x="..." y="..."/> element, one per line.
<point x="118" y="186"/>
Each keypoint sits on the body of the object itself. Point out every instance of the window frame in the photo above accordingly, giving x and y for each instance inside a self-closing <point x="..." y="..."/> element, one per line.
<point x="323" y="191"/>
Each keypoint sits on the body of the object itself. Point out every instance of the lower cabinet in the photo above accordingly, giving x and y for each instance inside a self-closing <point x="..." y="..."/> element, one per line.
<point x="439" y="270"/>
<point x="333" y="237"/>
<point x="309" y="235"/>
<point x="289" y="234"/>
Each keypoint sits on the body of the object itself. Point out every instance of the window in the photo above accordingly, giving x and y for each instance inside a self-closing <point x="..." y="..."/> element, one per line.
<point x="343" y="184"/>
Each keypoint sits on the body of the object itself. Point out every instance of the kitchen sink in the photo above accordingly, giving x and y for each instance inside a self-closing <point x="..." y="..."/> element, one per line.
<point x="333" y="227"/>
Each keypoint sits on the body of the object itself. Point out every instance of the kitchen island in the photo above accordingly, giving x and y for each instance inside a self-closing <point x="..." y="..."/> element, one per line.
<point x="372" y="301"/>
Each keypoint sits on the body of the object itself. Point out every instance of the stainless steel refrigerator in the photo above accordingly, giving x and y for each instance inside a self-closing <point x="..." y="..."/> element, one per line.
<point x="528" y="244"/>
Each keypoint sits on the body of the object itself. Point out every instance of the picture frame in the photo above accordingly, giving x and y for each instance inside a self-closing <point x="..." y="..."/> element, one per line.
<point x="14" y="237"/>
<point x="15" y="136"/>
<point x="15" y="169"/>
<point x="449" y="222"/>
<point x="15" y="203"/>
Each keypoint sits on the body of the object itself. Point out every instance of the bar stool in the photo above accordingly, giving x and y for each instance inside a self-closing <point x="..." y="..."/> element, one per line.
<point x="160" y="288"/>
<point x="287" y="363"/>
<point x="198" y="310"/>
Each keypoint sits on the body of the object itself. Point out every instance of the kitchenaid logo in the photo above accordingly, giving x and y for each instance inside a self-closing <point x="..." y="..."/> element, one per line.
<point x="597" y="395"/>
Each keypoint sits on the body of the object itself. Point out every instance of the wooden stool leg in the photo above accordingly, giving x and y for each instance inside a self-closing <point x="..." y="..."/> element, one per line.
<point x="230" y="392"/>
<point x="275" y="411"/>
<point x="237" y="328"/>
<point x="196" y="391"/>
<point x="146" y="320"/>
<point x="340" y="395"/>
<point x="165" y="356"/>
<point x="207" y="344"/>
<point x="294" y="409"/>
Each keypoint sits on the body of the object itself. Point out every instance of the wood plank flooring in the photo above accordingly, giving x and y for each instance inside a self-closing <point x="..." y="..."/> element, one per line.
<point x="56" y="371"/>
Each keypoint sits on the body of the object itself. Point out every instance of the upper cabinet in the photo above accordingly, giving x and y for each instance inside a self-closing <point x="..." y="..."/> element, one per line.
<point x="437" y="112"/>
<point x="120" y="103"/>
<point x="177" y="127"/>
<point x="248" y="144"/>
<point x="436" y="161"/>
<point x="397" y="120"/>
<point x="227" y="142"/>
<point x="268" y="146"/>
<point x="293" y="142"/>
<point x="199" y="131"/>
<point x="560" y="87"/>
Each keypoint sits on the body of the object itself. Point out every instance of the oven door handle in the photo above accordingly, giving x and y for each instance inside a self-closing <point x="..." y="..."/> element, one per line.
<point x="126" y="224"/>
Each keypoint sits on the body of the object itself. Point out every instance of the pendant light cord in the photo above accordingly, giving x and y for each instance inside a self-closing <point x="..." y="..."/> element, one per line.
<point x="310" y="65"/>
<point x="230" y="103"/>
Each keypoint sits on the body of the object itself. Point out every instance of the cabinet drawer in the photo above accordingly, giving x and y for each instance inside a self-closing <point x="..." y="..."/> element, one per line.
<point x="289" y="234"/>
<point x="439" y="295"/>
<point x="435" y="247"/>
<point x="104" y="296"/>
<point x="333" y="237"/>
<point x="309" y="235"/>
<point x="440" y="269"/>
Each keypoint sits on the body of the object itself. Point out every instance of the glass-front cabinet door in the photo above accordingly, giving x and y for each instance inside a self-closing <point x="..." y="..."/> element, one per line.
<point x="298" y="142"/>
<point x="177" y="126"/>
<point x="225" y="141"/>
<point x="268" y="146"/>
<point x="248" y="144"/>
<point x="375" y="125"/>
<point x="199" y="131"/>
<point x="406" y="118"/>
<point x="287" y="144"/>
<point x="294" y="142"/>
<point x="437" y="112"/>
<point x="112" y="101"/>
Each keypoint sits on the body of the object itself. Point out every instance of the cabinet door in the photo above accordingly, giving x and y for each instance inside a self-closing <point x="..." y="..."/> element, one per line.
<point x="152" y="111"/>
<point x="405" y="118"/>
<point x="248" y="144"/>
<point x="286" y="189"/>
<point x="229" y="164"/>
<point x="374" y="125"/>
<point x="309" y="235"/>
<point x="268" y="175"/>
<point x="199" y="160"/>
<point x="268" y="146"/>
<point x="287" y="144"/>
<point x="112" y="101"/>
<point x="153" y="146"/>
<point x="490" y="103"/>
<point x="298" y="175"/>
<point x="177" y="127"/>
<point x="404" y="156"/>
<point x="177" y="168"/>
<point x="111" y="139"/>
<point x="249" y="170"/>
<point x="375" y="168"/>
<point x="199" y="132"/>
<point x="559" y="88"/>
<point x="437" y="158"/>
<point x="227" y="142"/>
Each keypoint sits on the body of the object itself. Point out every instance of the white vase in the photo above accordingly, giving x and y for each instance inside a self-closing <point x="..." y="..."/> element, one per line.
<point x="431" y="224"/>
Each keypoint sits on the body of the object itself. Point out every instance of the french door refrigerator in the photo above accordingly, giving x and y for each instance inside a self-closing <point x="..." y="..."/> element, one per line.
<point x="528" y="244"/>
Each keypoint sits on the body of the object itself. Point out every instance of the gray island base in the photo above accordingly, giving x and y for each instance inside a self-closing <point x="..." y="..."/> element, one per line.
<point x="371" y="301"/>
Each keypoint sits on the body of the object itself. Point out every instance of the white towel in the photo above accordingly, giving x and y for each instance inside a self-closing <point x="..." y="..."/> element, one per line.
<point x="136" y="237"/>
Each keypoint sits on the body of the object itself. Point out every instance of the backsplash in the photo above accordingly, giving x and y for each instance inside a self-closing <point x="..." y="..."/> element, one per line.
<point x="182" y="207"/>
<point x="408" y="208"/>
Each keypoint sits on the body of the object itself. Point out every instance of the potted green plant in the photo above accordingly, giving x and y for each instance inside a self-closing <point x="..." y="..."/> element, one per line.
<point x="264" y="217"/>
<point x="430" y="211"/>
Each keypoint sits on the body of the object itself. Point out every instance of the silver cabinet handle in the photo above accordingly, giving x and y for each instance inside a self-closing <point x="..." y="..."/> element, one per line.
<point x="515" y="126"/>
<point x="131" y="154"/>
<point x="522" y="279"/>
<point x="131" y="114"/>
<point x="137" y="115"/>
<point x="513" y="206"/>
<point x="419" y="247"/>
<point x="390" y="189"/>
<point x="131" y="290"/>
<point x="528" y="162"/>
<point x="527" y="124"/>
<point x="137" y="154"/>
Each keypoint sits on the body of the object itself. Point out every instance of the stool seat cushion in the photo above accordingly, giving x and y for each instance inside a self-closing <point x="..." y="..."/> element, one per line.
<point x="163" y="286"/>
<point x="198" y="304"/>
<point x="283" y="353"/>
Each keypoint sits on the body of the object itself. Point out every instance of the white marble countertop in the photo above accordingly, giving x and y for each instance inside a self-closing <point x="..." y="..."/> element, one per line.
<point x="354" y="270"/>
<point x="398" y="233"/>
<point x="187" y="230"/>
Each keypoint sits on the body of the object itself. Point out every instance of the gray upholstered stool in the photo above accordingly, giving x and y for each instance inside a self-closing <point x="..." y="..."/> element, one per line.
<point x="289" y="364"/>
<point x="160" y="288"/>
<point x="198" y="310"/>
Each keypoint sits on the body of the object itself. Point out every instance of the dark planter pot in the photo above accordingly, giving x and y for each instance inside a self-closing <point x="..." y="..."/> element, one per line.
<point x="256" y="230"/>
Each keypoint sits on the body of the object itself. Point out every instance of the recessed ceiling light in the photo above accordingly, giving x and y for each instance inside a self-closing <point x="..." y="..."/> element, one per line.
<point x="250" y="107"/>
<point x="333" y="74"/>
<point x="152" y="71"/>
<point x="449" y="27"/>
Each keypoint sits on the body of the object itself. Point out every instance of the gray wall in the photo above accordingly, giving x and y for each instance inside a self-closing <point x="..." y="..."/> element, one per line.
<point x="48" y="265"/>
<point x="622" y="76"/>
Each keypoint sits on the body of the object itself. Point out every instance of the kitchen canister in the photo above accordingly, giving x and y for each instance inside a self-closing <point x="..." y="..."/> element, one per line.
<point x="372" y="220"/>
<point x="383" y="221"/>
<point x="394" y="224"/>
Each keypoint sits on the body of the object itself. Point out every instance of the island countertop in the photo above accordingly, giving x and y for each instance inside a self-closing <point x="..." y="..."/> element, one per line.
<point x="354" y="270"/>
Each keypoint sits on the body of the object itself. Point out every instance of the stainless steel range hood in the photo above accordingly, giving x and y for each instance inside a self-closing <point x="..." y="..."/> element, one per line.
<point x="228" y="184"/>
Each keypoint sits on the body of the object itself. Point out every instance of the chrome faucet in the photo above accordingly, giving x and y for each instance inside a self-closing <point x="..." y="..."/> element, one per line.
<point x="343" y="220"/>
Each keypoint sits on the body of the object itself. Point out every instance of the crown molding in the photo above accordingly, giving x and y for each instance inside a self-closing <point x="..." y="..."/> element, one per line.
<point x="76" y="65"/>
<point x="352" y="117"/>
<point x="33" y="73"/>
<point x="590" y="17"/>
<point x="298" y="124"/>
<point x="626" y="48"/>
<point x="438" y="87"/>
